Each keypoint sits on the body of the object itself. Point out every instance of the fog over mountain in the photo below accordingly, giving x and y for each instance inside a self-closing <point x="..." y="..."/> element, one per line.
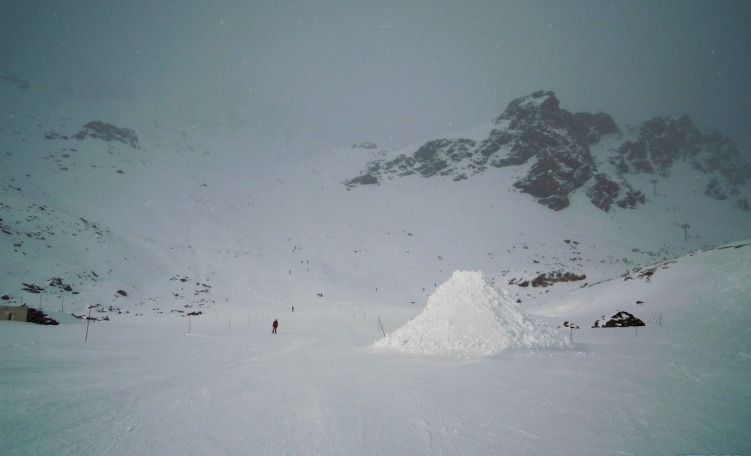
<point x="391" y="72"/>
<point x="483" y="227"/>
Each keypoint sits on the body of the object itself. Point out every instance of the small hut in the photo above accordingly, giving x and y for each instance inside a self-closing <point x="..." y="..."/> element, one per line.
<point x="13" y="313"/>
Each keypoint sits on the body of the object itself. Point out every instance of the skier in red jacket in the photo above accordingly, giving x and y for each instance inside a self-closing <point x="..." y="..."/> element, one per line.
<point x="274" y="326"/>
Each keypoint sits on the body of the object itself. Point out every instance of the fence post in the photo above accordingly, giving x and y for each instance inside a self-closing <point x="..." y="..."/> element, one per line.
<point x="88" y="321"/>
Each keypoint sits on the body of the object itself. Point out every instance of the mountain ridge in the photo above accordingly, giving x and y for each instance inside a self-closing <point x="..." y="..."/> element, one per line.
<point x="558" y="144"/>
<point x="262" y="219"/>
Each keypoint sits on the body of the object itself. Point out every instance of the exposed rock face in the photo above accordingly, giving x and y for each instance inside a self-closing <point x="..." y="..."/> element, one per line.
<point x="551" y="278"/>
<point x="621" y="319"/>
<point x="107" y="132"/>
<point x="603" y="192"/>
<point x="663" y="141"/>
<point x="40" y="318"/>
<point x="530" y="127"/>
<point x="557" y="172"/>
<point x="558" y="142"/>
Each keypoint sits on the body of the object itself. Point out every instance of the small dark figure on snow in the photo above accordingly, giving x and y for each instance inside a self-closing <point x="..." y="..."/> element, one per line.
<point x="274" y="326"/>
<point x="293" y="308"/>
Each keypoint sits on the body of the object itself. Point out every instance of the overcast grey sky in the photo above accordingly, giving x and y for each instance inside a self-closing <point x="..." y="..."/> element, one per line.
<point x="407" y="70"/>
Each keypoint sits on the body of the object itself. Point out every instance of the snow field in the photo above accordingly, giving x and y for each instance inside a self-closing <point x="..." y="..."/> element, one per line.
<point x="143" y="385"/>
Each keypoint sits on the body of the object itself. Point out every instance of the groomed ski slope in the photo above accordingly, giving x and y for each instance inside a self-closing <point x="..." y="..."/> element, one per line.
<point x="145" y="386"/>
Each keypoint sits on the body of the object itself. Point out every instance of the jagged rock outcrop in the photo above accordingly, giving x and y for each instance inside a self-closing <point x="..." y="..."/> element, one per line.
<point x="551" y="278"/>
<point x="108" y="132"/>
<point x="558" y="142"/>
<point x="622" y="319"/>
<point x="530" y="127"/>
<point x="99" y="130"/>
<point x="40" y="318"/>
<point x="663" y="141"/>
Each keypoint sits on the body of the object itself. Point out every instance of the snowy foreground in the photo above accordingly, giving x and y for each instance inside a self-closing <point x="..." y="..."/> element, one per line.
<point x="145" y="386"/>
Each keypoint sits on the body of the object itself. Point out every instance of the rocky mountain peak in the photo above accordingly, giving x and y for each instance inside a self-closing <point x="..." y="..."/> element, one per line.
<point x="542" y="110"/>
<point x="662" y="141"/>
<point x="558" y="142"/>
<point x="541" y="106"/>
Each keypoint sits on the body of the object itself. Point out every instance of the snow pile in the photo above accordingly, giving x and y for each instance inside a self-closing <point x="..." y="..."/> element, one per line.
<point x="467" y="315"/>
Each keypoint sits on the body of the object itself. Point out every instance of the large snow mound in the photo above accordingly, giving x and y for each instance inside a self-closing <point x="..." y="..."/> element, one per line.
<point x="468" y="316"/>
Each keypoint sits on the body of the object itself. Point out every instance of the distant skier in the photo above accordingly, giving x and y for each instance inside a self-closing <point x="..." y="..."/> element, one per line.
<point x="274" y="326"/>
<point x="293" y="308"/>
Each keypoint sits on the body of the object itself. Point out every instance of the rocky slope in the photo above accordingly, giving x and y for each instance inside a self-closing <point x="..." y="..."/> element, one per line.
<point x="557" y="147"/>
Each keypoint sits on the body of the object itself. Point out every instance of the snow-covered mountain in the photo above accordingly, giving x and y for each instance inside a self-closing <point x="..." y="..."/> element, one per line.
<point x="565" y="153"/>
<point x="148" y="215"/>
<point x="100" y="192"/>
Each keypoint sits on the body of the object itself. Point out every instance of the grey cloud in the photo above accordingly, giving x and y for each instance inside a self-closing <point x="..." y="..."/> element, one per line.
<point x="395" y="71"/>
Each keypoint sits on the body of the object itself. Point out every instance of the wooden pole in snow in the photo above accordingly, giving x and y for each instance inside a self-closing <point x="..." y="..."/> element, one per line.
<point x="88" y="320"/>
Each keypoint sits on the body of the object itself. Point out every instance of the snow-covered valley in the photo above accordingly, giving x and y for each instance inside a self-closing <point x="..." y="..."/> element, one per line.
<point x="242" y="225"/>
<point x="148" y="386"/>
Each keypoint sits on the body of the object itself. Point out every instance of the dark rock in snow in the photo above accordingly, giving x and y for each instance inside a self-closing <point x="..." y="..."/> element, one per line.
<point x="663" y="141"/>
<point x="107" y="132"/>
<point x="604" y="192"/>
<point x="39" y="317"/>
<point x="58" y="283"/>
<point x="619" y="320"/>
<point x="550" y="278"/>
<point x="365" y="179"/>
<point x="31" y="288"/>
